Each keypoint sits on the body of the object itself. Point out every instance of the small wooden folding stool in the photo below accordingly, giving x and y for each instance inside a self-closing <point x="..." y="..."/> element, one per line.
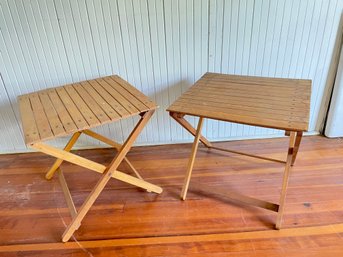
<point x="74" y="109"/>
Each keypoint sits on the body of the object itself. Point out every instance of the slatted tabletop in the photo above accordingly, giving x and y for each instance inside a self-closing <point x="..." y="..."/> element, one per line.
<point x="75" y="107"/>
<point x="268" y="102"/>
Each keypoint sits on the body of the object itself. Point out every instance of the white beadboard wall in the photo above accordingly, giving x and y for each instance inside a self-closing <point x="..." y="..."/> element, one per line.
<point x="162" y="47"/>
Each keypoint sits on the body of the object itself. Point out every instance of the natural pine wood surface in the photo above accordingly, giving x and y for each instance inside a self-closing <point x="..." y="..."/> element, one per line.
<point x="63" y="110"/>
<point x="268" y="102"/>
<point x="127" y="221"/>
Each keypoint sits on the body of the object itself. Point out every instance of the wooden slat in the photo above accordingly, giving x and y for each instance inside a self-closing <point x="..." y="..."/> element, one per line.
<point x="285" y="87"/>
<point x="267" y="102"/>
<point x="256" y="89"/>
<point x="101" y="101"/>
<point x="42" y="121"/>
<point x="62" y="112"/>
<point x="258" y="81"/>
<point x="52" y="115"/>
<point x="274" y="104"/>
<point x="248" y="94"/>
<point x="254" y="109"/>
<point x="249" y="120"/>
<point x="72" y="109"/>
<point x="30" y="129"/>
<point x="87" y="113"/>
<point x="75" y="107"/>
<point x="92" y="104"/>
<point x="218" y="112"/>
<point x="136" y="102"/>
<point x="109" y="99"/>
<point x="258" y="105"/>
<point x="134" y="91"/>
<point x="115" y="94"/>
<point x="255" y="79"/>
<point x="235" y="111"/>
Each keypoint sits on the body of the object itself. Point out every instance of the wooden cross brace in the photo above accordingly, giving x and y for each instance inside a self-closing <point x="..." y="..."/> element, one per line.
<point x="110" y="171"/>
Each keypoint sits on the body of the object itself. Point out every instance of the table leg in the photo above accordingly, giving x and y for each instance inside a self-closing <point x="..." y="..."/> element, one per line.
<point x="116" y="145"/>
<point x="58" y="162"/>
<point x="184" y="123"/>
<point x="192" y="159"/>
<point x="296" y="146"/>
<point x="109" y="172"/>
<point x="285" y="179"/>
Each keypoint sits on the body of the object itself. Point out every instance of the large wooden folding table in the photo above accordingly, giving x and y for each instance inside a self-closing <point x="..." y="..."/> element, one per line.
<point x="267" y="102"/>
<point x="74" y="109"/>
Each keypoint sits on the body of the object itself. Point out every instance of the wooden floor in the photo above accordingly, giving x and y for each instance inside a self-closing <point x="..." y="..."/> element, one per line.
<point x="126" y="221"/>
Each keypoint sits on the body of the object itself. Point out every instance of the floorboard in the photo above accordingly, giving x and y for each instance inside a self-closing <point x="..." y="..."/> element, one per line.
<point x="127" y="221"/>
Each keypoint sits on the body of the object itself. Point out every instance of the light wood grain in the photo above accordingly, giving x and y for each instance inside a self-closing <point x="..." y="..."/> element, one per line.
<point x="40" y="117"/>
<point x="54" y="121"/>
<point x="135" y="92"/>
<point x="256" y="80"/>
<point x="92" y="104"/>
<point x="116" y="95"/>
<point x="101" y="101"/>
<point x="296" y="146"/>
<point x="179" y="118"/>
<point x="116" y="145"/>
<point x="242" y="109"/>
<point x="78" y="107"/>
<point x="170" y="240"/>
<point x="74" y="112"/>
<point x="70" y="157"/>
<point x="80" y="103"/>
<point x="125" y="221"/>
<point x="285" y="180"/>
<point x="218" y="113"/>
<point x="191" y="159"/>
<point x="108" y="173"/>
<point x="59" y="161"/>
<point x="66" y="192"/>
<point x="267" y="102"/>
<point x="31" y="133"/>
<point x="110" y="99"/>
<point x="63" y="110"/>
<point x="126" y="94"/>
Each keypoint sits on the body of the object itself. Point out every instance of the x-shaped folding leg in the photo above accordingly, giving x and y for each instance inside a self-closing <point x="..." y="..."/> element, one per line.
<point x="73" y="140"/>
<point x="107" y="172"/>
<point x="294" y="143"/>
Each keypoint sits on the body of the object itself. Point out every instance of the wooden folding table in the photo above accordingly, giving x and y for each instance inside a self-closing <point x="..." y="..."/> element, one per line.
<point x="267" y="102"/>
<point x="74" y="109"/>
